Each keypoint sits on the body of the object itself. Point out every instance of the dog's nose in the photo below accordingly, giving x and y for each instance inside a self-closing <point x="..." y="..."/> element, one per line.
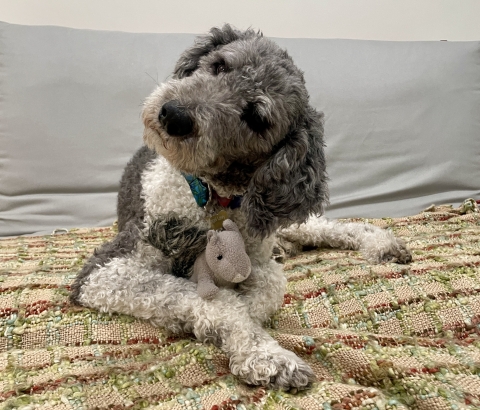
<point x="175" y="119"/>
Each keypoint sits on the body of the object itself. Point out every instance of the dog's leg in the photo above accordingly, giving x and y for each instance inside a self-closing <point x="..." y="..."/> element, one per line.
<point x="135" y="284"/>
<point x="263" y="290"/>
<point x="376" y="244"/>
<point x="123" y="244"/>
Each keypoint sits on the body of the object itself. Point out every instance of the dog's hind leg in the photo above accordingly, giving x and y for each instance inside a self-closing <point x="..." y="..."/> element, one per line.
<point x="376" y="244"/>
<point x="122" y="245"/>
<point x="135" y="284"/>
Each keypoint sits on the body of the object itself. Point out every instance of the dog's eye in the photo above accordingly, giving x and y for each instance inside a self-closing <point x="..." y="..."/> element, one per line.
<point x="219" y="257"/>
<point x="219" y="67"/>
<point x="254" y="120"/>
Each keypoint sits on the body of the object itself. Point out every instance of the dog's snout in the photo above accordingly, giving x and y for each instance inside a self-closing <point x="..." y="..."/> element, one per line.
<point x="175" y="119"/>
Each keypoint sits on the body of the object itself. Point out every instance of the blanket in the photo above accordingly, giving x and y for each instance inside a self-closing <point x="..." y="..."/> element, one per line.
<point x="382" y="336"/>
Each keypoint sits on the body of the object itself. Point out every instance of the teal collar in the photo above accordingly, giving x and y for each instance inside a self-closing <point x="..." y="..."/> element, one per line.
<point x="201" y="193"/>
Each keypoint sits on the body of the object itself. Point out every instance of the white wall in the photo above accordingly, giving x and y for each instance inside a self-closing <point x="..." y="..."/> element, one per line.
<point x="361" y="19"/>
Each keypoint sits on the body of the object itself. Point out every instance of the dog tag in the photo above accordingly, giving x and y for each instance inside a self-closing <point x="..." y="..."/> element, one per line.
<point x="216" y="220"/>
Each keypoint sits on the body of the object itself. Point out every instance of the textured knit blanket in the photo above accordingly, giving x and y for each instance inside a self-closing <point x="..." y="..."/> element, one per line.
<point x="377" y="336"/>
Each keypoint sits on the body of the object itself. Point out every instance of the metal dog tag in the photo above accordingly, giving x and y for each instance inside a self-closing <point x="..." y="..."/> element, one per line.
<point x="216" y="220"/>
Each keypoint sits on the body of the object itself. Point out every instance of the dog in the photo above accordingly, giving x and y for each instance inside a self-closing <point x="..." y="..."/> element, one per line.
<point x="231" y="134"/>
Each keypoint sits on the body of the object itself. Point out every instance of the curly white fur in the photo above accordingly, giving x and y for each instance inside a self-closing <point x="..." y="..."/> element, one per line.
<point x="140" y="285"/>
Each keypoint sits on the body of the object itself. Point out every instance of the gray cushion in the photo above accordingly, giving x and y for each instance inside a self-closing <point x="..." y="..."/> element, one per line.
<point x="402" y="122"/>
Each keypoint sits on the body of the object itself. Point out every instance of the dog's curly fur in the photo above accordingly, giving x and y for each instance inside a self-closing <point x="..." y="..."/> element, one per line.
<point x="235" y="114"/>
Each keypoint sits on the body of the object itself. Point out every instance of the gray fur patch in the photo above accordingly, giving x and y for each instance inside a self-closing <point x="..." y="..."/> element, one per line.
<point x="130" y="210"/>
<point x="297" y="170"/>
<point x="179" y="239"/>
<point x="189" y="60"/>
<point x="130" y="204"/>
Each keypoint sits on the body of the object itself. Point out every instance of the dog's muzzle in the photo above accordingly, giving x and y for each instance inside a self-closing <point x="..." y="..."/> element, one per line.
<point x="175" y="119"/>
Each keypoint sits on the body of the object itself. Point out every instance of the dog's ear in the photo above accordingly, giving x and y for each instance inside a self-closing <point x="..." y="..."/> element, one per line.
<point x="292" y="184"/>
<point x="188" y="61"/>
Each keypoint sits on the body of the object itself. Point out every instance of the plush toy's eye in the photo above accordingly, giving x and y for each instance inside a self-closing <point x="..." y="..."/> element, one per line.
<point x="219" y="257"/>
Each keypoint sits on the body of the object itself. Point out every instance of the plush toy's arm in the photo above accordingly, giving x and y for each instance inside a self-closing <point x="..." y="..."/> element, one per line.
<point x="206" y="287"/>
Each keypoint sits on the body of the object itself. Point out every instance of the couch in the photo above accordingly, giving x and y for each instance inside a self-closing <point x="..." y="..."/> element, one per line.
<point x="403" y="138"/>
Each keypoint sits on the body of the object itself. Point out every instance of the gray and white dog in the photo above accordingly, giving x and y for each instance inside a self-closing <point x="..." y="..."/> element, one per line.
<point x="231" y="133"/>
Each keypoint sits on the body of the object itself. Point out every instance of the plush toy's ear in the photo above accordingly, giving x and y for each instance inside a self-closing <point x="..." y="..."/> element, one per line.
<point x="188" y="61"/>
<point x="231" y="226"/>
<point x="211" y="236"/>
<point x="292" y="184"/>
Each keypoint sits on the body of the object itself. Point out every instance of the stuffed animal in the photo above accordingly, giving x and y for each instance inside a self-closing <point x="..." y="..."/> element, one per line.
<point x="223" y="263"/>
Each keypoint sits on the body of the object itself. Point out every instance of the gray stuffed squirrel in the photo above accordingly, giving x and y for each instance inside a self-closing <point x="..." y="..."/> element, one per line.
<point x="223" y="263"/>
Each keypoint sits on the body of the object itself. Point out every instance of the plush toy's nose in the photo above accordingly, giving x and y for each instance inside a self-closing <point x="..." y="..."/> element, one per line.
<point x="240" y="278"/>
<point x="245" y="270"/>
<point x="175" y="119"/>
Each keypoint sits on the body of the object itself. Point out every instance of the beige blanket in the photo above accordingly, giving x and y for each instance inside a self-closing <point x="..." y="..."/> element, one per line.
<point x="377" y="336"/>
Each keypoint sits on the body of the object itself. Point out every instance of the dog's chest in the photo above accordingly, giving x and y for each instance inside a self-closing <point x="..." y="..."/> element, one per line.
<point x="165" y="190"/>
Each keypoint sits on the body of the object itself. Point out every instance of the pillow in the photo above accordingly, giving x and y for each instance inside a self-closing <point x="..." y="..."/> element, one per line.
<point x="402" y="123"/>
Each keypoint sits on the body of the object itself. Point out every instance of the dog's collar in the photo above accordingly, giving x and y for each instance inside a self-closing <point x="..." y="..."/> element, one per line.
<point x="203" y="193"/>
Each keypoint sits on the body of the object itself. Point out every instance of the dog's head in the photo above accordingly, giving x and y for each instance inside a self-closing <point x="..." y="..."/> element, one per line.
<point x="236" y="113"/>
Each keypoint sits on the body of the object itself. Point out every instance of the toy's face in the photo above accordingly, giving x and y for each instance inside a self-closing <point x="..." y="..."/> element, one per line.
<point x="227" y="259"/>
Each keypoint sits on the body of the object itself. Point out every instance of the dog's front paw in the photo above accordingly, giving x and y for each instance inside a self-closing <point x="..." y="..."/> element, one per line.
<point x="283" y="370"/>
<point x="382" y="246"/>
